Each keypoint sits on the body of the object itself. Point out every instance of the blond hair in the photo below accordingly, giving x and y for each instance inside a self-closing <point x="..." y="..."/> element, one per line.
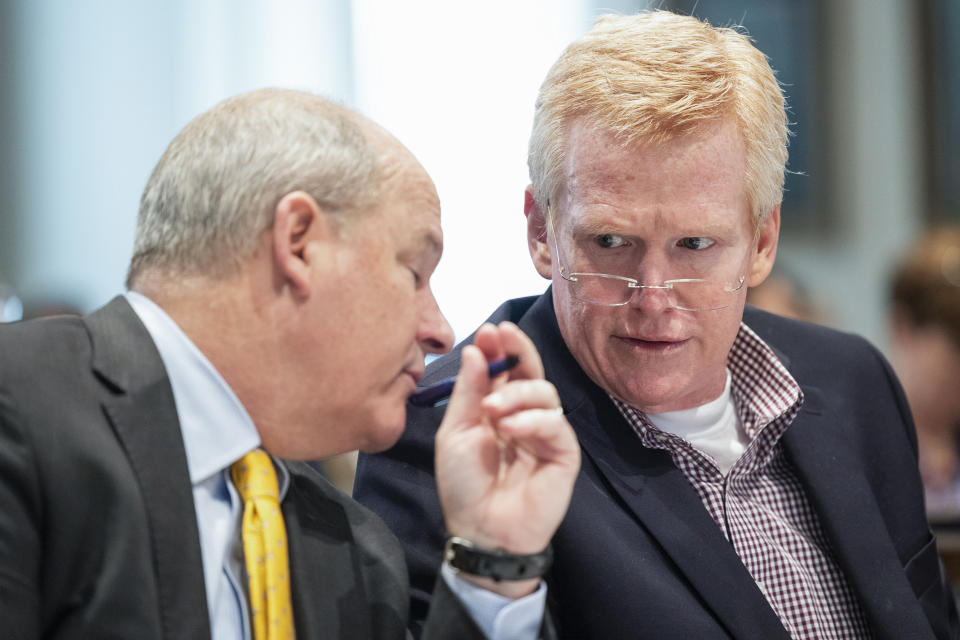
<point x="216" y="186"/>
<point x="655" y="76"/>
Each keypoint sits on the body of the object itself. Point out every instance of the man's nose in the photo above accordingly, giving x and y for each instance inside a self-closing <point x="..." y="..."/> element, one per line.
<point x="434" y="333"/>
<point x="652" y="296"/>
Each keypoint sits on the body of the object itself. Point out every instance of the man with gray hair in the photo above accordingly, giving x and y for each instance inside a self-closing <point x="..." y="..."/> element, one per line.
<point x="279" y="309"/>
<point x="744" y="476"/>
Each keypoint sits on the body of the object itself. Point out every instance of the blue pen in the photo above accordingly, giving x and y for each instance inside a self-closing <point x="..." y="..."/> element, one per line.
<point x="434" y="394"/>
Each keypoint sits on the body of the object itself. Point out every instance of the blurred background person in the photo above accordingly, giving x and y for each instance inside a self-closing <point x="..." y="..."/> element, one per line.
<point x="925" y="351"/>
<point x="784" y="294"/>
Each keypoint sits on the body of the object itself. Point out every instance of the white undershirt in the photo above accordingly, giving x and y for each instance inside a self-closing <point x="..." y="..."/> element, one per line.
<point x="713" y="428"/>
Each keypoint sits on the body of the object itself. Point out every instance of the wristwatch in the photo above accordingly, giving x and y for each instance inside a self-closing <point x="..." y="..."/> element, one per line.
<point x="497" y="564"/>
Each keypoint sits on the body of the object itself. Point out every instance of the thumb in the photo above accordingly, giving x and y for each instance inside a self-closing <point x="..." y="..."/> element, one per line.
<point x="471" y="387"/>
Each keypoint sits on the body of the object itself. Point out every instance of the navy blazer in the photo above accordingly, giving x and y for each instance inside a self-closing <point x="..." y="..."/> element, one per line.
<point x="638" y="555"/>
<point x="98" y="534"/>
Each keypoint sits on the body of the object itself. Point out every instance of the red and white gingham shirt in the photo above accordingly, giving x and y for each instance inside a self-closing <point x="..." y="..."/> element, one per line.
<point x="760" y="505"/>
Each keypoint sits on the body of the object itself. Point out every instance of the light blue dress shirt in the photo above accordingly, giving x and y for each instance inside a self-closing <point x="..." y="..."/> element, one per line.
<point x="217" y="431"/>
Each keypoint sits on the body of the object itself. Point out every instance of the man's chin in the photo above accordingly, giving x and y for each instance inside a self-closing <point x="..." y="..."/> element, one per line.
<point x="379" y="446"/>
<point x="386" y="433"/>
<point x="660" y="396"/>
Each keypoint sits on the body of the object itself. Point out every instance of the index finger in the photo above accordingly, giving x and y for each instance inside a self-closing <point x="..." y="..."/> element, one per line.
<point x="516" y="343"/>
<point x="471" y="387"/>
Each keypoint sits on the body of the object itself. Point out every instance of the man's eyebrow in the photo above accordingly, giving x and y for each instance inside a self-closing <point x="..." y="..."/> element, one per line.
<point x="593" y="227"/>
<point x="601" y="226"/>
<point x="427" y="246"/>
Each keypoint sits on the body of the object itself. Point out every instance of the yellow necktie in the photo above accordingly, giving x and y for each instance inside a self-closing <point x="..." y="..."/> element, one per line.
<point x="264" y="547"/>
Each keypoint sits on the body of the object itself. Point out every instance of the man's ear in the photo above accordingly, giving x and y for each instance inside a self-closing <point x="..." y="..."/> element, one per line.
<point x="767" y="241"/>
<point x="297" y="221"/>
<point x="537" y="234"/>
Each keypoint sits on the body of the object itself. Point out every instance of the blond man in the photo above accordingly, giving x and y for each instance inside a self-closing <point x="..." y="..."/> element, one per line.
<point x="744" y="476"/>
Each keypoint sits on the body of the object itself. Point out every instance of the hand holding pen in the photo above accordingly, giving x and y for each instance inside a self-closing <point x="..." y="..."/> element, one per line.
<point x="506" y="458"/>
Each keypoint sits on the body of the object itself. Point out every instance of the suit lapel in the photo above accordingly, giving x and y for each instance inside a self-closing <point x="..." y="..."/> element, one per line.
<point x="328" y="599"/>
<point x="140" y="406"/>
<point x="826" y="461"/>
<point x="653" y="489"/>
<point x="667" y="507"/>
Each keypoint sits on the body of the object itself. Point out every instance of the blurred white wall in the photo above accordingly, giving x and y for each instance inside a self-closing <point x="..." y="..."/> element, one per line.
<point x="456" y="82"/>
<point x="100" y="88"/>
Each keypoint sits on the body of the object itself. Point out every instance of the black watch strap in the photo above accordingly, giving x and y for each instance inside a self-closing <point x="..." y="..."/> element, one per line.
<point x="497" y="564"/>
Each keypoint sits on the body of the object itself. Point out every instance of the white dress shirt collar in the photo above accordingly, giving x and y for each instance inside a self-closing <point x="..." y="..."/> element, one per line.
<point x="217" y="431"/>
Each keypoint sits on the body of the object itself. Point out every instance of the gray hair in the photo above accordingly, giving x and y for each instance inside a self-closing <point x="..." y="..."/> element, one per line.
<point x="215" y="189"/>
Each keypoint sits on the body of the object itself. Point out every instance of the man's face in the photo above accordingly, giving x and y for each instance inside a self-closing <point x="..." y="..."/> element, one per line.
<point x="654" y="213"/>
<point x="375" y="313"/>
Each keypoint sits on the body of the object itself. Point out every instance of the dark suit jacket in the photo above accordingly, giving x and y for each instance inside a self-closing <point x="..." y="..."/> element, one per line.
<point x="638" y="555"/>
<point x="98" y="537"/>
